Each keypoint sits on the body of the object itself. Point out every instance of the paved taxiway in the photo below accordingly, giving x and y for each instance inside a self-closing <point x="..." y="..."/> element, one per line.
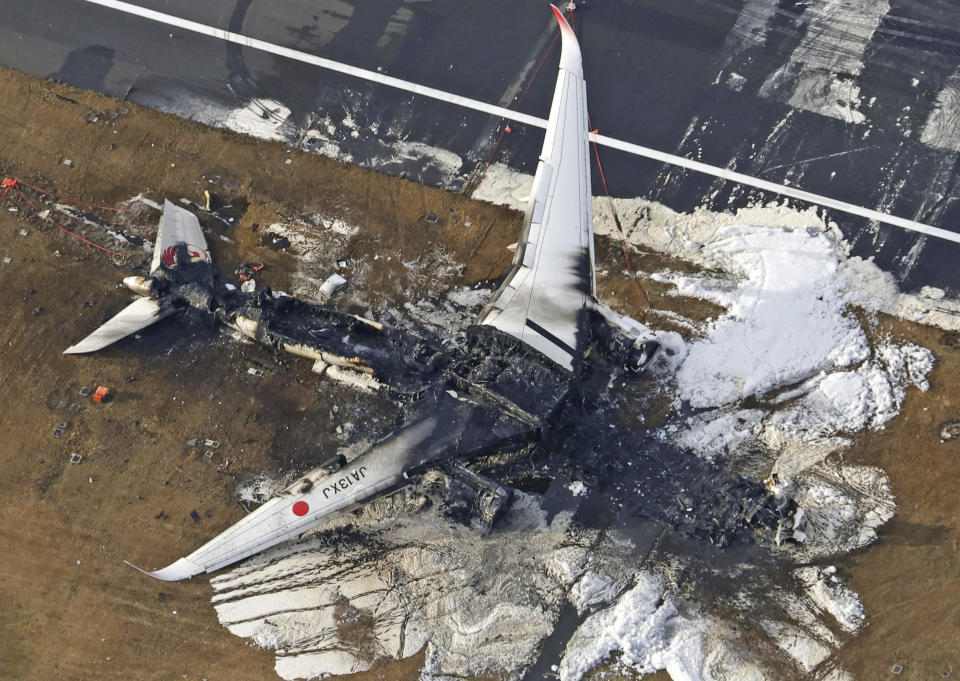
<point x="657" y="75"/>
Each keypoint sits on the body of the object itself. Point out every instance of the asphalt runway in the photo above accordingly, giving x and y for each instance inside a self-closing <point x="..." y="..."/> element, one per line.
<point x="856" y="103"/>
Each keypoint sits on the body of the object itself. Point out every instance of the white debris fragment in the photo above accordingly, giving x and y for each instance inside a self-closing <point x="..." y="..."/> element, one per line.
<point x="353" y="379"/>
<point x="333" y="285"/>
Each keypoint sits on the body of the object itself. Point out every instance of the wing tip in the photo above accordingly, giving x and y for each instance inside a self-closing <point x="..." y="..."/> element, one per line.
<point x="561" y="19"/>
<point x="570" y="58"/>
<point x="181" y="569"/>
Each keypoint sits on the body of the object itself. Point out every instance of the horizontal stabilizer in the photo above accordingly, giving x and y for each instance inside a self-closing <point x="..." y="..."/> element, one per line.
<point x="139" y="314"/>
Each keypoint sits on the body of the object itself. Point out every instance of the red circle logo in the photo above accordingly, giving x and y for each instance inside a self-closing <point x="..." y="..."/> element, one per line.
<point x="301" y="508"/>
<point x="194" y="254"/>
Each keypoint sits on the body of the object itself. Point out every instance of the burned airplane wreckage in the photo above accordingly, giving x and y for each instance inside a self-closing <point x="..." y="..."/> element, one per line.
<point x="541" y="340"/>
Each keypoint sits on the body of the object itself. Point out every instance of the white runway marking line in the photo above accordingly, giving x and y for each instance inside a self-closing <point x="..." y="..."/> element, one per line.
<point x="502" y="112"/>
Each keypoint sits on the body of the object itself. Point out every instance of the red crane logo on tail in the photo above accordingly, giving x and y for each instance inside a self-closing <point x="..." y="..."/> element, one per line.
<point x="194" y="254"/>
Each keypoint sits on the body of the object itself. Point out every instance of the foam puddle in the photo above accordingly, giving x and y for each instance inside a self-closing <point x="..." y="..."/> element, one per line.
<point x="398" y="579"/>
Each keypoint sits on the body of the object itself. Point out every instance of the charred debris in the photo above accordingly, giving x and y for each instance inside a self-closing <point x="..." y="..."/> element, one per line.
<point x="496" y="398"/>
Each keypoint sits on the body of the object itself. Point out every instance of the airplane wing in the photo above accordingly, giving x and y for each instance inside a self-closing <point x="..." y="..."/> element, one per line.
<point x="139" y="314"/>
<point x="551" y="282"/>
<point x="446" y="427"/>
<point x="178" y="226"/>
<point x="302" y="505"/>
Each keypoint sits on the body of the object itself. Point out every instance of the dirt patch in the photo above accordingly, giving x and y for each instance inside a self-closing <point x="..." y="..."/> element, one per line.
<point x="908" y="581"/>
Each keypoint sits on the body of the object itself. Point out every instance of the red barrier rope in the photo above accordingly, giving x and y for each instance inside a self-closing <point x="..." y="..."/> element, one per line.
<point x="15" y="184"/>
<point x="623" y="236"/>
<point x="74" y="201"/>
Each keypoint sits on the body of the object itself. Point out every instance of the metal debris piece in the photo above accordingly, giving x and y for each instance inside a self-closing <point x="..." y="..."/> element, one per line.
<point x="208" y="454"/>
<point x="212" y="443"/>
<point x="333" y="285"/>
<point x="192" y="443"/>
<point x="75" y="407"/>
<point x="62" y="425"/>
<point x="85" y="390"/>
<point x="896" y="669"/>
<point x="76" y="458"/>
<point x="249" y="286"/>
<point x="58" y="432"/>
<point x="431" y="218"/>
<point x="255" y="372"/>
<point x="950" y="430"/>
<point x="24" y="232"/>
<point x="6" y="260"/>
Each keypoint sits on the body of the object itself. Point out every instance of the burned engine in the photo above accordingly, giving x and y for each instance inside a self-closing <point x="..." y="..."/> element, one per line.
<point x="623" y="341"/>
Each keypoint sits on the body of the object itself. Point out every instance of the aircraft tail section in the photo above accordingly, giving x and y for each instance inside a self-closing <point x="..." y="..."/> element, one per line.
<point x="180" y="256"/>
<point x="179" y="239"/>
